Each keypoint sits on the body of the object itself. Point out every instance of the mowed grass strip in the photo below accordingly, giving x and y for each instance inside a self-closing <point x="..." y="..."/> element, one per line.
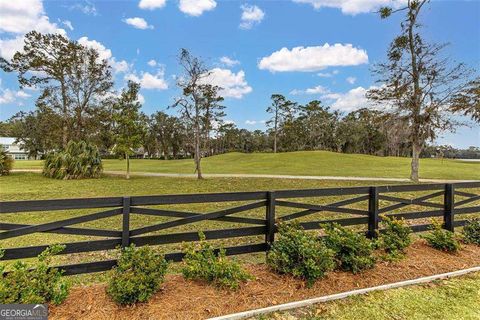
<point x="31" y="186"/>
<point x="453" y="299"/>
<point x="315" y="163"/>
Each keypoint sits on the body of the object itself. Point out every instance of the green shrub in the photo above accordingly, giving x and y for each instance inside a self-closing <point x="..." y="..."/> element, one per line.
<point x="300" y="254"/>
<point x="137" y="276"/>
<point x="353" y="251"/>
<point x="41" y="284"/>
<point x="6" y="163"/>
<point x="395" y="237"/>
<point x="441" y="239"/>
<point x="79" y="160"/>
<point x="471" y="231"/>
<point x="202" y="263"/>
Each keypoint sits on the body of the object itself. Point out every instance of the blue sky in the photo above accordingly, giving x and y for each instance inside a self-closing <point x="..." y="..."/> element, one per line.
<point x="142" y="38"/>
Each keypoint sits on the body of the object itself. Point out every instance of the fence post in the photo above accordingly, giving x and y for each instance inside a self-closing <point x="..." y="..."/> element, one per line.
<point x="373" y="218"/>
<point x="449" y="205"/>
<point x="126" y="222"/>
<point x="270" y="219"/>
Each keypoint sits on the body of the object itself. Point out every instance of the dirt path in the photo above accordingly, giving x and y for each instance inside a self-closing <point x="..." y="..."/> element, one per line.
<point x="265" y="176"/>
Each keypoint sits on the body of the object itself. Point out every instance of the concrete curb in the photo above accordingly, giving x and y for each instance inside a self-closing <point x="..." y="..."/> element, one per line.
<point x="309" y="302"/>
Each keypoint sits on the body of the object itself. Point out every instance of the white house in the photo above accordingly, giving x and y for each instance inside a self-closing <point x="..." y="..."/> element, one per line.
<point x="8" y="144"/>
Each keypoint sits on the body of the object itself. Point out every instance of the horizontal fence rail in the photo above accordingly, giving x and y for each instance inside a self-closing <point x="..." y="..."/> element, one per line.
<point x="453" y="201"/>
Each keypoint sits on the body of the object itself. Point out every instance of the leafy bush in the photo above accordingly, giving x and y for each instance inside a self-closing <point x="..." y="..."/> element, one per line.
<point x="41" y="284"/>
<point x="471" y="231"/>
<point x="300" y="254"/>
<point x="441" y="239"/>
<point x="137" y="276"/>
<point x="6" y="163"/>
<point x="395" y="237"/>
<point x="353" y="251"/>
<point x="202" y="263"/>
<point x="79" y="160"/>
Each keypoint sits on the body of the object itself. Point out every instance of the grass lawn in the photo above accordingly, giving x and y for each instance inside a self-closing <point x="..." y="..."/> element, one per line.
<point x="319" y="163"/>
<point x="446" y="299"/>
<point x="31" y="186"/>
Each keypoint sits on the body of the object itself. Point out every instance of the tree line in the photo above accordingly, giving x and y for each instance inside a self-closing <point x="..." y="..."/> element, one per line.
<point x="312" y="126"/>
<point x="418" y="93"/>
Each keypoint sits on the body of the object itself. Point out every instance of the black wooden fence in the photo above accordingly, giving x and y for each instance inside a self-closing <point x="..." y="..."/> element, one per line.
<point x="456" y="198"/>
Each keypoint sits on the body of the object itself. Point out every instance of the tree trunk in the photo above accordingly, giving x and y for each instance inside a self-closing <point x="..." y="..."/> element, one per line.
<point x="64" y="115"/>
<point x="64" y="134"/>
<point x="275" y="133"/>
<point x="275" y="142"/>
<point x="198" y="156"/>
<point x="79" y="125"/>
<point x="127" y="157"/>
<point x="165" y="153"/>
<point x="416" y="149"/>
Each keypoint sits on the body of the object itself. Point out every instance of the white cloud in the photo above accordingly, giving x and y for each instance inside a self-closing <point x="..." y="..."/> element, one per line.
<point x="138" y="23"/>
<point x="327" y="74"/>
<point x="315" y="90"/>
<point x="150" y="81"/>
<point x="31" y="88"/>
<point x="105" y="53"/>
<point x="88" y="8"/>
<point x="307" y="59"/>
<point x="132" y="77"/>
<point x="8" y="47"/>
<point x="351" y="80"/>
<point x="349" y="101"/>
<point x="68" y="24"/>
<point x="141" y="99"/>
<point x="156" y="81"/>
<point x="151" y="4"/>
<point x="251" y="15"/>
<point x="254" y="122"/>
<point x="353" y="7"/>
<point x="196" y="7"/>
<point x="119" y="66"/>
<point x="324" y="74"/>
<point x="9" y="96"/>
<point x="23" y="16"/>
<point x="227" y="61"/>
<point x="20" y="17"/>
<point x="233" y="84"/>
<point x="152" y="63"/>
<point x="22" y="94"/>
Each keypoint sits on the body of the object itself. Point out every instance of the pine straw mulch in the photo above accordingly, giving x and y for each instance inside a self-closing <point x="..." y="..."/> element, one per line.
<point x="181" y="299"/>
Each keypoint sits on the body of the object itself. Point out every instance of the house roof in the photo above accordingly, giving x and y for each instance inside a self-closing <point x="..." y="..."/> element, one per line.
<point x="7" y="140"/>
